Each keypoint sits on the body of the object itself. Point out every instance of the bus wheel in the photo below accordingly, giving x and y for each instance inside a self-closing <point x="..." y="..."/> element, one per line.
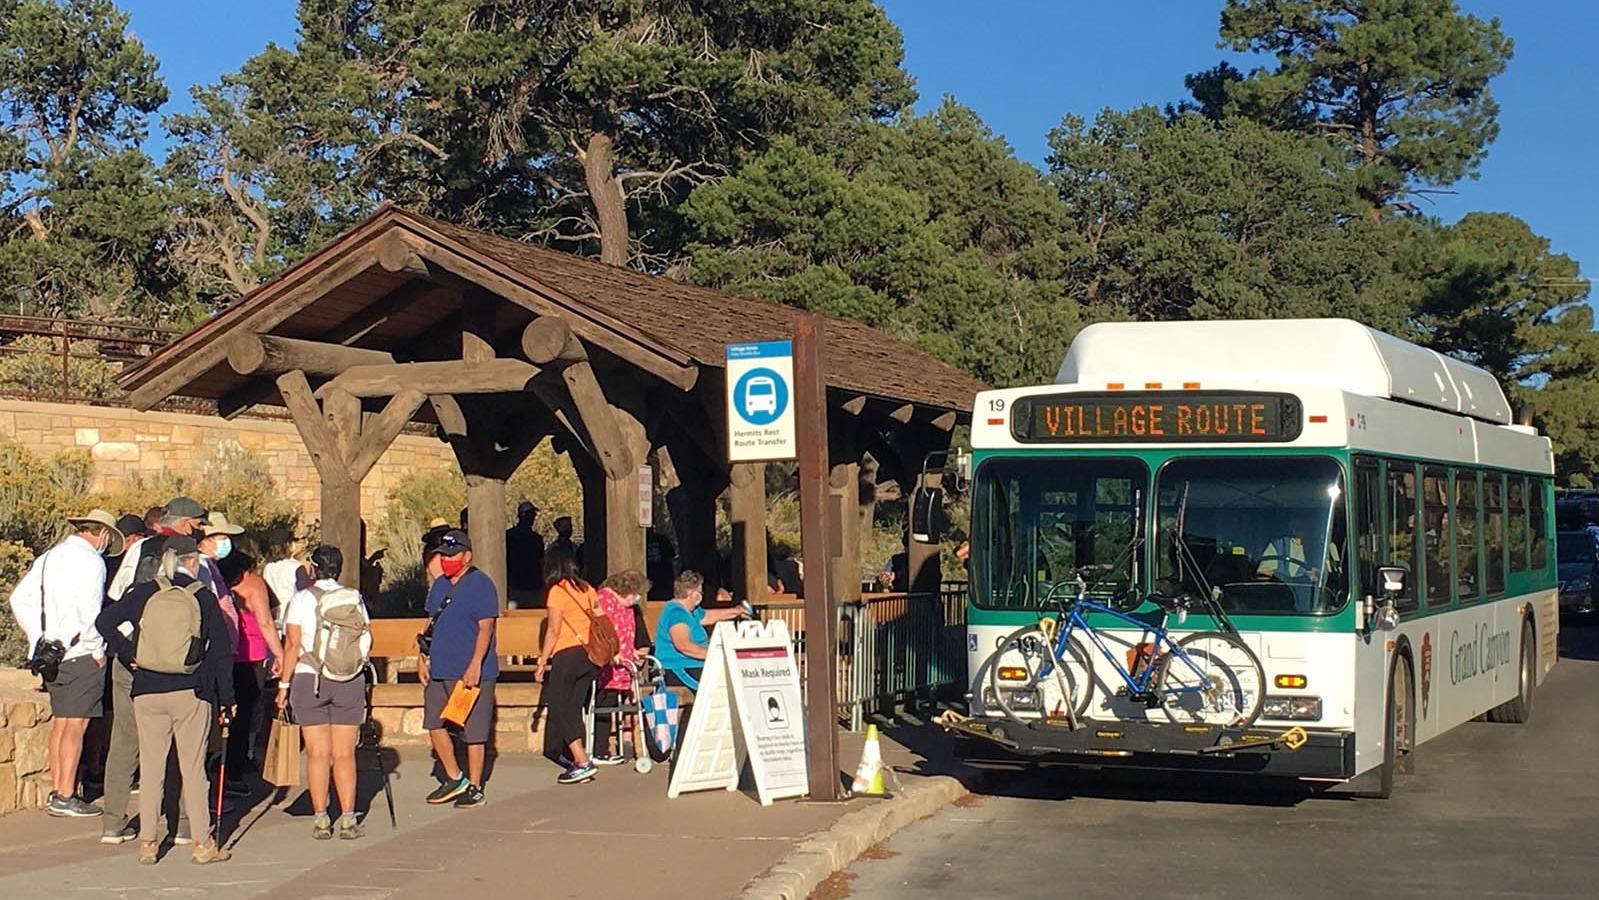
<point x="1398" y="730"/>
<point x="1519" y="710"/>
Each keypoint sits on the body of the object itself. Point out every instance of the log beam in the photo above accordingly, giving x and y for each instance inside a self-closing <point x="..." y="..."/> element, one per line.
<point x="494" y="376"/>
<point x="549" y="339"/>
<point x="265" y="354"/>
<point x="902" y="414"/>
<point x="945" y="422"/>
<point x="395" y="254"/>
<point x="854" y="405"/>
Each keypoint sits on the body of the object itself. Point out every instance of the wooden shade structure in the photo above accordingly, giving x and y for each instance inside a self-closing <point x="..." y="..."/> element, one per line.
<point x="500" y="344"/>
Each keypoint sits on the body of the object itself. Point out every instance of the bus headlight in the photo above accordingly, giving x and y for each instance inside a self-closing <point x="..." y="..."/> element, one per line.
<point x="1299" y="709"/>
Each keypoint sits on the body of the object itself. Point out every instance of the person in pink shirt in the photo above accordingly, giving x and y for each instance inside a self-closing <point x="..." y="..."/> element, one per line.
<point x="215" y="545"/>
<point x="619" y="595"/>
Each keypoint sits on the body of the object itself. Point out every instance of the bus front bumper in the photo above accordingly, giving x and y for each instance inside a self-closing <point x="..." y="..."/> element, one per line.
<point x="1001" y="743"/>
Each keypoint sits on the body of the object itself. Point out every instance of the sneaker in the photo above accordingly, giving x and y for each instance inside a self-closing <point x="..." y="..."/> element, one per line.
<point x="114" y="834"/>
<point x="71" y="807"/>
<point x="208" y="853"/>
<point x="238" y="788"/>
<point x="578" y="774"/>
<point x="350" y="828"/>
<point x="149" y="852"/>
<point x="608" y="760"/>
<point x="182" y="839"/>
<point x="471" y="798"/>
<point x="321" y="827"/>
<point x="449" y="790"/>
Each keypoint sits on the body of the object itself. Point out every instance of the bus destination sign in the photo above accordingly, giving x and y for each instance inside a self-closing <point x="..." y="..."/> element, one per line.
<point x="1166" y="417"/>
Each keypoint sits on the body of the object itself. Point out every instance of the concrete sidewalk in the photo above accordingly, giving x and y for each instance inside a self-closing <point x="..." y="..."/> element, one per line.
<point x="616" y="836"/>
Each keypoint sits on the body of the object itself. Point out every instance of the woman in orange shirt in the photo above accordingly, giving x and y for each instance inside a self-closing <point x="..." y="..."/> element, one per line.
<point x="566" y="660"/>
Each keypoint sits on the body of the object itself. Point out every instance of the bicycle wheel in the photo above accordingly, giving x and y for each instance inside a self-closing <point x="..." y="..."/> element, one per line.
<point x="1026" y="682"/>
<point x="1212" y="678"/>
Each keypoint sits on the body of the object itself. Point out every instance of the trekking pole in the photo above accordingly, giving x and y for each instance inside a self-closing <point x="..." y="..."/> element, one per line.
<point x="371" y="734"/>
<point x="226" y="719"/>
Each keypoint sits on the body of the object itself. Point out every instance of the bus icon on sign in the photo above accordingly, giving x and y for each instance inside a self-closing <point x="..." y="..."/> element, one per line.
<point x="760" y="396"/>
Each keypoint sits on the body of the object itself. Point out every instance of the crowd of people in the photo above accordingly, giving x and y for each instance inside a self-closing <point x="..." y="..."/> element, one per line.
<point x="177" y="649"/>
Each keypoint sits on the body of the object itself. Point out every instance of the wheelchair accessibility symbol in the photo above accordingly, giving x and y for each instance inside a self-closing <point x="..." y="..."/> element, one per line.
<point x="761" y="396"/>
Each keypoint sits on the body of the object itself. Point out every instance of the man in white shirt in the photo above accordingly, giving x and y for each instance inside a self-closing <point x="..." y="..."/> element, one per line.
<point x="58" y="600"/>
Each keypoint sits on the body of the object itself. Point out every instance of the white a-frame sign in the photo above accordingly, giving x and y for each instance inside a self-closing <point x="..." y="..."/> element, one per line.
<point x="748" y="710"/>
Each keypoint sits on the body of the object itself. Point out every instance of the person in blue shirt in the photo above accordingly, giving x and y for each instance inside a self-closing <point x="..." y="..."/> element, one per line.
<point x="463" y="606"/>
<point x="681" y="641"/>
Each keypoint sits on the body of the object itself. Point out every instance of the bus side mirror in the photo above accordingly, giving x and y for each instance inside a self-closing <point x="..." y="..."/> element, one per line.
<point x="927" y="515"/>
<point x="1393" y="579"/>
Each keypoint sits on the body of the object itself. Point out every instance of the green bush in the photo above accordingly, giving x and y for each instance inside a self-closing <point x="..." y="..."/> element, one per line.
<point x="234" y="480"/>
<point x="545" y="478"/>
<point x="32" y="364"/>
<point x="14" y="561"/>
<point x="36" y="494"/>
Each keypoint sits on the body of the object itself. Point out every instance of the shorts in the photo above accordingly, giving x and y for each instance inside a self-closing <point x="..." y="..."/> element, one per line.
<point x="79" y="689"/>
<point x="479" y="722"/>
<point x="341" y="703"/>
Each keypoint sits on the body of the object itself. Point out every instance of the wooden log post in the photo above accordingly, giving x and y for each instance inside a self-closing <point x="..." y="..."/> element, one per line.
<point x="747" y="513"/>
<point x="614" y="425"/>
<point x="700" y="483"/>
<point x="843" y="488"/>
<point x="343" y="445"/>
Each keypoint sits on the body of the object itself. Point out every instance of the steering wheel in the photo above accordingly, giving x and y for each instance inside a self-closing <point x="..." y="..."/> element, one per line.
<point x="1305" y="568"/>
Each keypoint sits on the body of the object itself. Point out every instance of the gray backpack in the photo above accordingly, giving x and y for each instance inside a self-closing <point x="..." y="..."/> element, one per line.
<point x="339" y="648"/>
<point x="170" y="640"/>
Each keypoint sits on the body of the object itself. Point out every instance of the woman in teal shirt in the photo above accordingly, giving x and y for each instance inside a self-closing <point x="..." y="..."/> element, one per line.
<point x="681" y="640"/>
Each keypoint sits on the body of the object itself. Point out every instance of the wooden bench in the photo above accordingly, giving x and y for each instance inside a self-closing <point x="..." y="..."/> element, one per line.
<point x="519" y="634"/>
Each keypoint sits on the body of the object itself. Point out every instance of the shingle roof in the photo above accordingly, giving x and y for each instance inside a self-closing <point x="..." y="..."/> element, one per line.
<point x="702" y="321"/>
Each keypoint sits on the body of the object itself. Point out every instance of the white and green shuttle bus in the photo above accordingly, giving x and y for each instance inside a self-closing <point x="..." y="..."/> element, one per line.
<point x="1283" y="470"/>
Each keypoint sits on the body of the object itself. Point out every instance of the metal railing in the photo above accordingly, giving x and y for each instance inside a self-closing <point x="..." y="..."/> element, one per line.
<point x="892" y="648"/>
<point x="82" y="341"/>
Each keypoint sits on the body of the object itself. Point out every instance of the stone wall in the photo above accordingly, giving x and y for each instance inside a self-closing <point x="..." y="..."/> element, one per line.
<point x="124" y="443"/>
<point x="24" y="743"/>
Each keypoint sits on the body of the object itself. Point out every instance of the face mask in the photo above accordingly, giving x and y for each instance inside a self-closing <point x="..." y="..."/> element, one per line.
<point x="451" y="565"/>
<point x="224" y="547"/>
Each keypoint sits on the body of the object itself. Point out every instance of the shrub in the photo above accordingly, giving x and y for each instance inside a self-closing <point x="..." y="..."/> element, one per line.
<point x="14" y="561"/>
<point x="234" y="480"/>
<point x="32" y="365"/>
<point x="545" y="478"/>
<point x="36" y="494"/>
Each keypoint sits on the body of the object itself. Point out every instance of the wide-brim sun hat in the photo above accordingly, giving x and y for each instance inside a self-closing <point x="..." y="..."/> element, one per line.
<point x="101" y="517"/>
<point x="217" y="523"/>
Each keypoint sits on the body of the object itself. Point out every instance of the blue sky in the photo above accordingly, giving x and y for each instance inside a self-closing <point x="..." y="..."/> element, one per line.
<point x="1023" y="64"/>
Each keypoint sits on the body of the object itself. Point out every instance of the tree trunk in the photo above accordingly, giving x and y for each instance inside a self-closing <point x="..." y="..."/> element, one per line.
<point x="605" y="191"/>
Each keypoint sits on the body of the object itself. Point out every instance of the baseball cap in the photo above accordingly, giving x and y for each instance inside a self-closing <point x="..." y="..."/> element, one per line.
<point x="131" y="525"/>
<point x="454" y="543"/>
<point x="526" y="506"/>
<point x="182" y="545"/>
<point x="185" y="507"/>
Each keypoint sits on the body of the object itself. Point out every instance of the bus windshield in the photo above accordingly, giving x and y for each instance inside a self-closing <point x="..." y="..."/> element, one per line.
<point x="1036" y="521"/>
<point x="1268" y="533"/>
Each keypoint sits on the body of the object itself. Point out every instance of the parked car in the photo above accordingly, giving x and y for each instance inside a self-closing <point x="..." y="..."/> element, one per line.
<point x="1579" y="571"/>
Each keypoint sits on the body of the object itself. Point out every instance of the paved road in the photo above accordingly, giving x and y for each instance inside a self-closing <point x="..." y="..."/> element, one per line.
<point x="1493" y="810"/>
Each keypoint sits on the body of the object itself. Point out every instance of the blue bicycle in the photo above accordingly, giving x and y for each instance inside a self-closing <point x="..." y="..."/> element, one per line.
<point x="1045" y="672"/>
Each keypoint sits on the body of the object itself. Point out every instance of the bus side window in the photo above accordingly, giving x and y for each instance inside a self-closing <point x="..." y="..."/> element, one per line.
<point x="1399" y="511"/>
<point x="1368" y="526"/>
<point x="1520" y="537"/>
<point x="1493" y="524"/>
<point x="1437" y="545"/>
<point x="1536" y="489"/>
<point x="1468" y="535"/>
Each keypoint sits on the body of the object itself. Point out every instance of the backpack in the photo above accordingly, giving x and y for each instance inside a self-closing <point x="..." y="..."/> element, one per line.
<point x="170" y="640"/>
<point x="339" y="648"/>
<point x="603" y="645"/>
